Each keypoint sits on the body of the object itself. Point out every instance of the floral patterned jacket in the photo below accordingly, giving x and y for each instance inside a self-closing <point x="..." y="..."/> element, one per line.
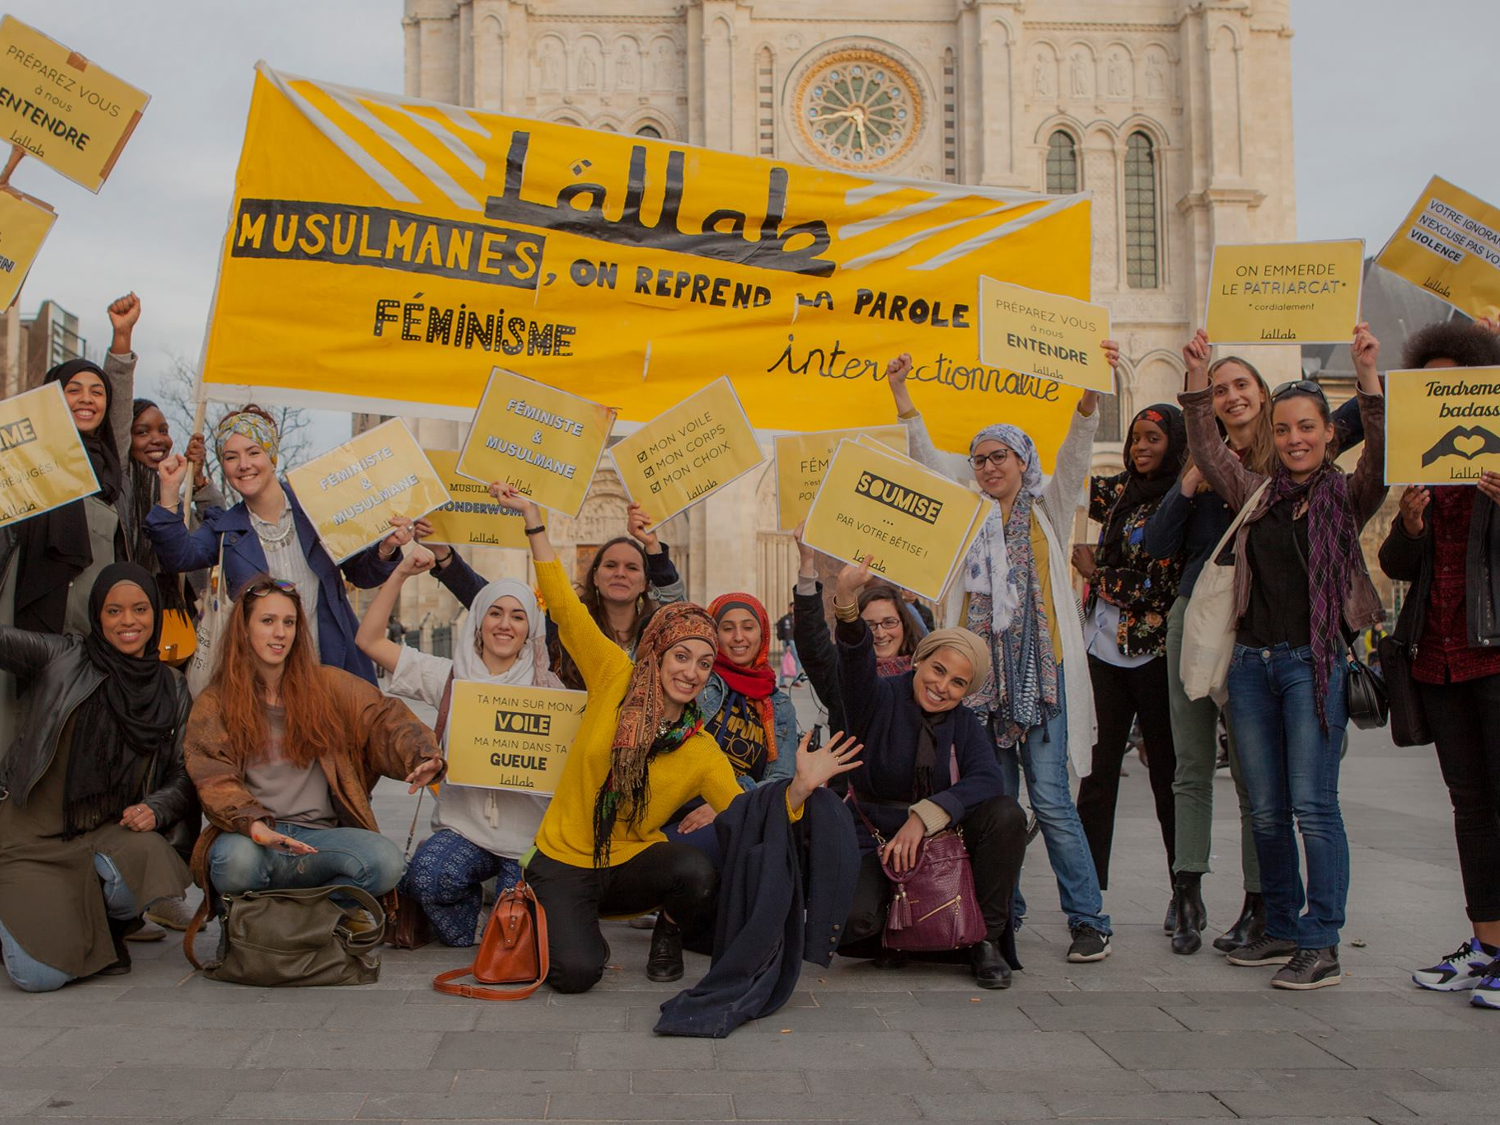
<point x="1144" y="587"/>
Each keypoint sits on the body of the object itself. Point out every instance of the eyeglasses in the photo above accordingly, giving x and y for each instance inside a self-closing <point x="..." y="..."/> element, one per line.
<point x="997" y="459"/>
<point x="885" y="624"/>
<point x="272" y="586"/>
<point x="1298" y="387"/>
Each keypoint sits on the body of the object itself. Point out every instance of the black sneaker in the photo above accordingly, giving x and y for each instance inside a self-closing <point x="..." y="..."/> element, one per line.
<point x="1088" y="944"/>
<point x="1310" y="968"/>
<point x="1264" y="950"/>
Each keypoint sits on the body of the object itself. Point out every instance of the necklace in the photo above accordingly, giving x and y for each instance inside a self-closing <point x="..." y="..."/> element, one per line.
<point x="277" y="534"/>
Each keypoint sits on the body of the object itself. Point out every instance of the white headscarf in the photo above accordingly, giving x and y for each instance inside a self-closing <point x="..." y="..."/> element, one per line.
<point x="531" y="668"/>
<point x="987" y="565"/>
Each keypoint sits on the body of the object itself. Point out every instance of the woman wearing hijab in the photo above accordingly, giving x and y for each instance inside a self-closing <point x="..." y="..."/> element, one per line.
<point x="477" y="834"/>
<point x="640" y="754"/>
<point x="929" y="765"/>
<point x="268" y="532"/>
<point x="94" y="784"/>
<point x="1130" y="594"/>
<point x="751" y="719"/>
<point x="1016" y="595"/>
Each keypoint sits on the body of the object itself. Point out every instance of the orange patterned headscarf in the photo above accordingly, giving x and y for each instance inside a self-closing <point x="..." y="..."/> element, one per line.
<point x="756" y="680"/>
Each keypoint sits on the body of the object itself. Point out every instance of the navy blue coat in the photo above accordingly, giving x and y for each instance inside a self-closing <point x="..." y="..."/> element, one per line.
<point x="883" y="714"/>
<point x="181" y="551"/>
<point x="773" y="872"/>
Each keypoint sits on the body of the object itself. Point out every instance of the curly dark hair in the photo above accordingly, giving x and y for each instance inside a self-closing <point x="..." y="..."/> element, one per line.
<point x="1465" y="343"/>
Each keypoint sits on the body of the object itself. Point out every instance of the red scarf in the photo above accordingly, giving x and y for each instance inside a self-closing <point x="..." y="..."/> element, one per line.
<point x="756" y="680"/>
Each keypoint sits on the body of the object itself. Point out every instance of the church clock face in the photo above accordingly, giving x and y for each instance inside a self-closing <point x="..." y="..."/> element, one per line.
<point x="858" y="109"/>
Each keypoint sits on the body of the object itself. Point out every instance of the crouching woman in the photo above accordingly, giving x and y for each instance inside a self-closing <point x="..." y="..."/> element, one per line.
<point x="929" y="765"/>
<point x="284" y="752"/>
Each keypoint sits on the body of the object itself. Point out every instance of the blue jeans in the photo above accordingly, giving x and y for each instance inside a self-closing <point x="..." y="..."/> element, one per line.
<point x="446" y="878"/>
<point x="346" y="857"/>
<point x="1291" y="768"/>
<point x="1044" y="755"/>
<point x="30" y="975"/>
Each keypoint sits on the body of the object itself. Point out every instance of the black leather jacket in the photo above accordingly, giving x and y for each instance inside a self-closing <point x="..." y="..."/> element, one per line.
<point x="1408" y="559"/>
<point x="62" y="678"/>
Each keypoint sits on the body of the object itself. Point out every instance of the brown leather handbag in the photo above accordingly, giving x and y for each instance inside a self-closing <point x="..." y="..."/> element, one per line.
<point x="512" y="951"/>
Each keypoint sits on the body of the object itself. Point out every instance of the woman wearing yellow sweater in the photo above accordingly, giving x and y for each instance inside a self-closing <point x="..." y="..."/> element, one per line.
<point x="640" y="755"/>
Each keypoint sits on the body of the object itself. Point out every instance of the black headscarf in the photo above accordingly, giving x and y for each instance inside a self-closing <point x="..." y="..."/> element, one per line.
<point x="55" y="545"/>
<point x="1141" y="488"/>
<point x="145" y="487"/>
<point x="128" y="719"/>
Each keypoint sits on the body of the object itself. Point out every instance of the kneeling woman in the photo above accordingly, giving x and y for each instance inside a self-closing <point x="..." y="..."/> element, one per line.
<point x="477" y="834"/>
<point x="929" y="765"/>
<point x="640" y="754"/>
<point x="284" y="752"/>
<point x="95" y="782"/>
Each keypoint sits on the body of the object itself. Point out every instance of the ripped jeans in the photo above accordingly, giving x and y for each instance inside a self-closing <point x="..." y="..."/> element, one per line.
<point x="346" y="857"/>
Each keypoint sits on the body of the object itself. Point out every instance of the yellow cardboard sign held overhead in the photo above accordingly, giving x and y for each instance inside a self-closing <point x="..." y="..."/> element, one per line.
<point x="351" y="493"/>
<point x="543" y="442"/>
<point x="914" y="522"/>
<point x="689" y="452"/>
<point x="507" y="737"/>
<point x="24" y="224"/>
<point x="1285" y="292"/>
<point x="43" y="464"/>
<point x="471" y="518"/>
<point x="1449" y="245"/>
<point x="60" y="107"/>
<point x="802" y="459"/>
<point x="1044" y="335"/>
<point x="1442" y="425"/>
<point x="385" y="249"/>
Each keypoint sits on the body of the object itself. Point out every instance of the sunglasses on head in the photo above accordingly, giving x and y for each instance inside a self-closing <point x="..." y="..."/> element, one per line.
<point x="272" y="586"/>
<point x="1299" y="387"/>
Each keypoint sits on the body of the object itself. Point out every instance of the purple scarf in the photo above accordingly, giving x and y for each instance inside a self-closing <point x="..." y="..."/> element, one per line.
<point x="1333" y="540"/>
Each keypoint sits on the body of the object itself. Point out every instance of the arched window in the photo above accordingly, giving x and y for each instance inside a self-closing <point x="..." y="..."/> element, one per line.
<point x="1062" y="164"/>
<point x="648" y="131"/>
<point x="1142" y="250"/>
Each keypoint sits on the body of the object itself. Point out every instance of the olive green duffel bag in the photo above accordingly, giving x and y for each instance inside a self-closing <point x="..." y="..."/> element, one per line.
<point x="293" y="937"/>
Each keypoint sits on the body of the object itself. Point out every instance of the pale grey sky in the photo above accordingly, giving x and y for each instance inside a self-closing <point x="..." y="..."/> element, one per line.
<point x="1382" y="101"/>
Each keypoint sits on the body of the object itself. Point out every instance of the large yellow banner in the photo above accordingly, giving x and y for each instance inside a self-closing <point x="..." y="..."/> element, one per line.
<point x="43" y="464"/>
<point x="386" y="250"/>
<point x="1442" y="425"/>
<point x="60" y="107"/>
<point x="1449" y="245"/>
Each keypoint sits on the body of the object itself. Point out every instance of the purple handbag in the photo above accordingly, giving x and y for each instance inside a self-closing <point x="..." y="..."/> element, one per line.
<point x="933" y="904"/>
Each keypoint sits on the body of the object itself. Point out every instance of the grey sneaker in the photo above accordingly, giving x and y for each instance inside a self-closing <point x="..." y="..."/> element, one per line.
<point x="1264" y="950"/>
<point x="1310" y="968"/>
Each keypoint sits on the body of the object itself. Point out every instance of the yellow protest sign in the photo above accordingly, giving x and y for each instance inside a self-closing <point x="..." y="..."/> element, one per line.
<point x="62" y="108"/>
<point x="801" y="460"/>
<point x="688" y="452"/>
<point x="543" y="442"/>
<point x="351" y="493"/>
<point x="1449" y="245"/>
<point x="43" y="464"/>
<point x="914" y="522"/>
<point x="24" y="223"/>
<point x="1285" y="292"/>
<point x="1442" y="425"/>
<point x="388" y="250"/>
<point x="470" y="518"/>
<point x="506" y="737"/>
<point x="1043" y="335"/>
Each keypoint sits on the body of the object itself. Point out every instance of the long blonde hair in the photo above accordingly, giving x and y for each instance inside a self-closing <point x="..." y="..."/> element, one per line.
<point x="1260" y="457"/>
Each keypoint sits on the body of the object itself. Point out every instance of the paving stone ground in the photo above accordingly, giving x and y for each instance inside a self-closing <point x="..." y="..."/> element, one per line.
<point x="1145" y="1036"/>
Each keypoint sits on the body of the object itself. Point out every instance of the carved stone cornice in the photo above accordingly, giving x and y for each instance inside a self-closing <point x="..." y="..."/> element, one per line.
<point x="1202" y="200"/>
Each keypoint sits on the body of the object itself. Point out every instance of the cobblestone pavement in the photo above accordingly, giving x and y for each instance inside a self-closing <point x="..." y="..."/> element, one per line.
<point x="1144" y="1036"/>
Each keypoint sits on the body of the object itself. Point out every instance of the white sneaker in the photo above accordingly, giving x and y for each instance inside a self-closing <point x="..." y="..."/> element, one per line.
<point x="1462" y="969"/>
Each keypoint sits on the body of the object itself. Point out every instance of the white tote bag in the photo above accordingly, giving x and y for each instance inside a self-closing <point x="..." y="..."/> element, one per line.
<point x="200" y="668"/>
<point x="1208" y="628"/>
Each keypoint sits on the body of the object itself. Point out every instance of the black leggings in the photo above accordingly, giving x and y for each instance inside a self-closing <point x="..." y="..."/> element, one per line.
<point x="1463" y="721"/>
<point x="676" y="878"/>
<point x="1120" y="695"/>
<point x="994" y="833"/>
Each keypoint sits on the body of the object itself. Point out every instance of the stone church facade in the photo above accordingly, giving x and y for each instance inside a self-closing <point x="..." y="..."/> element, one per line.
<point x="1175" y="115"/>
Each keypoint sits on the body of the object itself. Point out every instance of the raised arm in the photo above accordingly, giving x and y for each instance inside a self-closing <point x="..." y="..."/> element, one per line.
<point x="922" y="449"/>
<point x="666" y="584"/>
<point x="1367" y="487"/>
<point x="119" y="370"/>
<point x="863" y="692"/>
<point x="1220" y="467"/>
<point x="371" y="637"/>
<point x="1070" y="470"/>
<point x="1401" y="553"/>
<point x="179" y="548"/>
<point x="810" y="632"/>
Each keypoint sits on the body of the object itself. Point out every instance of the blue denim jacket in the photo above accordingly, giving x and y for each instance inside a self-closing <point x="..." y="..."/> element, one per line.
<point x="785" y="765"/>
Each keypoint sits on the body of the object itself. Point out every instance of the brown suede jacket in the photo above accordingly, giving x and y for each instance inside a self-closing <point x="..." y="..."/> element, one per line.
<point x="379" y="735"/>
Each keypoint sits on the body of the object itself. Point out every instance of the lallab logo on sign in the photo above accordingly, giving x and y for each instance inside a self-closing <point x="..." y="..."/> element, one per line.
<point x="1441" y="425"/>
